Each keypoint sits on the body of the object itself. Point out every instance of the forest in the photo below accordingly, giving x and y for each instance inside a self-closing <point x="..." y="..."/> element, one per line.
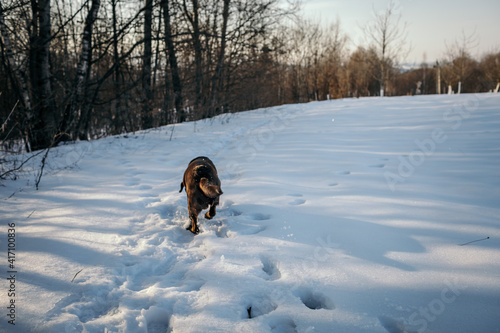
<point x="85" y="69"/>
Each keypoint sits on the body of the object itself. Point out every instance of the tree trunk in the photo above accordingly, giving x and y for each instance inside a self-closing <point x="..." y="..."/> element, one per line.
<point x="73" y="110"/>
<point x="147" y="121"/>
<point x="120" y="113"/>
<point x="43" y="127"/>
<point x="46" y="128"/>
<point x="172" y="59"/>
<point x="219" y="69"/>
<point x="20" y="82"/>
<point x="194" y="20"/>
<point x="157" y="55"/>
<point x="33" y="50"/>
<point x="116" y="77"/>
<point x="86" y="109"/>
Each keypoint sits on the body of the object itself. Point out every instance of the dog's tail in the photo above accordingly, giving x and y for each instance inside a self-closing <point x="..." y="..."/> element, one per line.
<point x="182" y="186"/>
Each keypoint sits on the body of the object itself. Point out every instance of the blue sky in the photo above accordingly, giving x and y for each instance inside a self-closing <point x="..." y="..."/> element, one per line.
<point x="431" y="24"/>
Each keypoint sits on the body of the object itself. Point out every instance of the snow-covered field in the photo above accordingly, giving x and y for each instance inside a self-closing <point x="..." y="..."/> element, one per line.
<point x="341" y="216"/>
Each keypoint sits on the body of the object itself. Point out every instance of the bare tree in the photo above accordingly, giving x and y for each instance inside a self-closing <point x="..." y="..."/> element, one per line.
<point x="192" y="15"/>
<point x="490" y="65"/>
<point x="314" y="55"/>
<point x="388" y="36"/>
<point x="172" y="60"/>
<point x="458" y="63"/>
<point x="45" y="128"/>
<point x="19" y="80"/>
<point x="73" y="109"/>
<point x="360" y="68"/>
<point x="217" y="78"/>
<point x="146" y="67"/>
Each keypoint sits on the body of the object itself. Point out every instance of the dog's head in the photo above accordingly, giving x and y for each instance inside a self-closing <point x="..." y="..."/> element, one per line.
<point x="210" y="188"/>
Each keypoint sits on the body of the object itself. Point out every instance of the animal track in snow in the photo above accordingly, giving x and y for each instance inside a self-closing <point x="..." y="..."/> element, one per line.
<point x="221" y="229"/>
<point x="221" y="232"/>
<point x="234" y="212"/>
<point x="158" y="325"/>
<point x="240" y="229"/>
<point x="343" y="173"/>
<point x="283" y="325"/>
<point x="297" y="202"/>
<point x="392" y="325"/>
<point x="270" y="267"/>
<point x="249" y="229"/>
<point x="260" y="216"/>
<point x="377" y="166"/>
<point x="314" y="300"/>
<point x="259" y="306"/>
<point x="132" y="181"/>
<point x="86" y="307"/>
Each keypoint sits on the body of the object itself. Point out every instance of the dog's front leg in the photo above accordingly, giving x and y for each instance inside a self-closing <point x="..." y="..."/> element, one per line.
<point x="193" y="216"/>
<point x="211" y="213"/>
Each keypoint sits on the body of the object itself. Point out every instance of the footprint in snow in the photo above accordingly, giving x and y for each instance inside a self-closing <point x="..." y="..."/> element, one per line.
<point x="259" y="306"/>
<point x="283" y="325"/>
<point x="250" y="229"/>
<point x="234" y="212"/>
<point x="158" y="323"/>
<point x="314" y="300"/>
<point x="393" y="325"/>
<point x="145" y="274"/>
<point x="220" y="227"/>
<point x="271" y="269"/>
<point x="377" y="166"/>
<point x="297" y="202"/>
<point x="223" y="231"/>
<point x="260" y="216"/>
<point x="132" y="182"/>
<point x="104" y="303"/>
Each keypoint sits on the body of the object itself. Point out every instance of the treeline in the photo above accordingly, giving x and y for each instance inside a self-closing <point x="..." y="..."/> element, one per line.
<point x="458" y="74"/>
<point x="83" y="69"/>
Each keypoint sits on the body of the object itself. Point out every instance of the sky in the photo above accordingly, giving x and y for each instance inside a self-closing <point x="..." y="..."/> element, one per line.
<point x="431" y="24"/>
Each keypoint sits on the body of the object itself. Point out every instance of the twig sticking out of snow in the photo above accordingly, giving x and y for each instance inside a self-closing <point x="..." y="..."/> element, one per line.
<point x="172" y="133"/>
<point x="477" y="240"/>
<point x="74" y="277"/>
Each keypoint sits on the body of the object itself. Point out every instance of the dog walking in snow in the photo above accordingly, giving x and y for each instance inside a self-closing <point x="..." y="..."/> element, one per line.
<point x="202" y="188"/>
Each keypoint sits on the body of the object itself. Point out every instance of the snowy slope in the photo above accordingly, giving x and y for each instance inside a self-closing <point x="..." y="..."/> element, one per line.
<point x="339" y="216"/>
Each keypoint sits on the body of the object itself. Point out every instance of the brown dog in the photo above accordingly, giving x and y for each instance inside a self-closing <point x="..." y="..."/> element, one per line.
<point x="203" y="189"/>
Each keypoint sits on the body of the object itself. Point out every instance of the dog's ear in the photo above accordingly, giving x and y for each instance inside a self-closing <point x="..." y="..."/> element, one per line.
<point x="203" y="182"/>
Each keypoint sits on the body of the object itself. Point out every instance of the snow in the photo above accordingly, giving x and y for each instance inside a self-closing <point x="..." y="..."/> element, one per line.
<point x="338" y="216"/>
